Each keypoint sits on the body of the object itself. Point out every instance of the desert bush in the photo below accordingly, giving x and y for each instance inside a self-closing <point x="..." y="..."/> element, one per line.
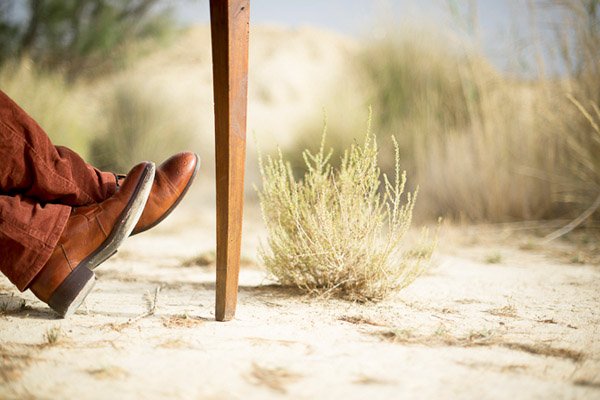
<point x="336" y="230"/>
<point x="138" y="126"/>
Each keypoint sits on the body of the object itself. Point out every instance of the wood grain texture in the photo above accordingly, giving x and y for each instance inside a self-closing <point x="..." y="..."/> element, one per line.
<point x="230" y="36"/>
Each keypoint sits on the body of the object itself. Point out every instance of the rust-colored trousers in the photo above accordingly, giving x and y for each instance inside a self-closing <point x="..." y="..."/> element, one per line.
<point x="39" y="184"/>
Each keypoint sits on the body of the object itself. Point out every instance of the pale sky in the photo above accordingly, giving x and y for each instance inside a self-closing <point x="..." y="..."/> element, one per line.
<point x="505" y="28"/>
<point x="504" y="25"/>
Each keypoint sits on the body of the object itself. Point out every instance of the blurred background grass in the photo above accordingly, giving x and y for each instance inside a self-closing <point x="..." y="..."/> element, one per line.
<point x="482" y="143"/>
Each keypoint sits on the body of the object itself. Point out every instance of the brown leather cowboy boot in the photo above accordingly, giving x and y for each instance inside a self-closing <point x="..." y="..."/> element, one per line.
<point x="172" y="180"/>
<point x="92" y="234"/>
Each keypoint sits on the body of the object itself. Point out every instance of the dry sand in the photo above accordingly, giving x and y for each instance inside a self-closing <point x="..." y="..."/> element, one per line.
<point x="523" y="324"/>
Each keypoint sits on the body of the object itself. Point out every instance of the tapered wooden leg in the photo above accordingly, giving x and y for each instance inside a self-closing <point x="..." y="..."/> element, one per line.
<point x="229" y="31"/>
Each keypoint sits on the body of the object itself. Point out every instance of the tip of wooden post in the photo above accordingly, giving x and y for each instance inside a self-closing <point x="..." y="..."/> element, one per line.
<point x="224" y="317"/>
<point x="225" y="310"/>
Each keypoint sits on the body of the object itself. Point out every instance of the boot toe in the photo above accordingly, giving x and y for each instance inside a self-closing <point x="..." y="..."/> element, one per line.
<point x="173" y="179"/>
<point x="179" y="169"/>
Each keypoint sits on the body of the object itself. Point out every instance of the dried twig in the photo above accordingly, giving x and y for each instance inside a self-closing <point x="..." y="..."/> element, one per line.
<point x="151" y="305"/>
<point x="573" y="224"/>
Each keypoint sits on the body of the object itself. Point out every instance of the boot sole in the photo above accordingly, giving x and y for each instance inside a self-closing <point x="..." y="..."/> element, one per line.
<point x="181" y="196"/>
<point x="126" y="221"/>
<point x="67" y="298"/>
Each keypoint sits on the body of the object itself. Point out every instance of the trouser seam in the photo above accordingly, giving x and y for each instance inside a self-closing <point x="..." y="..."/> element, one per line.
<point x="43" y="256"/>
<point x="29" y="232"/>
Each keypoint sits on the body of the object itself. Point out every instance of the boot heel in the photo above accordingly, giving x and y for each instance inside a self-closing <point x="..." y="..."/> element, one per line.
<point x="67" y="298"/>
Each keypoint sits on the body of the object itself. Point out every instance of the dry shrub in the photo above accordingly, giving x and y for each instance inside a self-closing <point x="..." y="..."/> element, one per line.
<point x="336" y="230"/>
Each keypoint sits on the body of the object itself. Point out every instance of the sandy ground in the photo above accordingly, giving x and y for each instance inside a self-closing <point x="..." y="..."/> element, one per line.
<point x="497" y="319"/>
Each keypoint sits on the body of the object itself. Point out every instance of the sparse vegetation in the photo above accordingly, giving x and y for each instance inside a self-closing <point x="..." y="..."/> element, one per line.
<point x="360" y="320"/>
<point x="78" y="37"/>
<point x="53" y="335"/>
<point x="13" y="306"/>
<point x="479" y="338"/>
<point x="209" y="257"/>
<point x="111" y="372"/>
<point x="182" y="321"/>
<point x="139" y="126"/>
<point x="482" y="144"/>
<point x="275" y="379"/>
<point x="528" y="245"/>
<point x="370" y="380"/>
<point x="13" y="361"/>
<point x="493" y="258"/>
<point x="335" y="230"/>
<point x="61" y="109"/>
<point x="174" y="344"/>
<point x="204" y="259"/>
<point x="508" y="310"/>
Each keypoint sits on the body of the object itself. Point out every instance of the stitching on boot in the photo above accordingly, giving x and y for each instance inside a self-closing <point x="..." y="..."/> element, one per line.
<point x="100" y="225"/>
<point x="66" y="257"/>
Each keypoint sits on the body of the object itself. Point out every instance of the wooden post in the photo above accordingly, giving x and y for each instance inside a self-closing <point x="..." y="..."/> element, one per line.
<point x="230" y="36"/>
